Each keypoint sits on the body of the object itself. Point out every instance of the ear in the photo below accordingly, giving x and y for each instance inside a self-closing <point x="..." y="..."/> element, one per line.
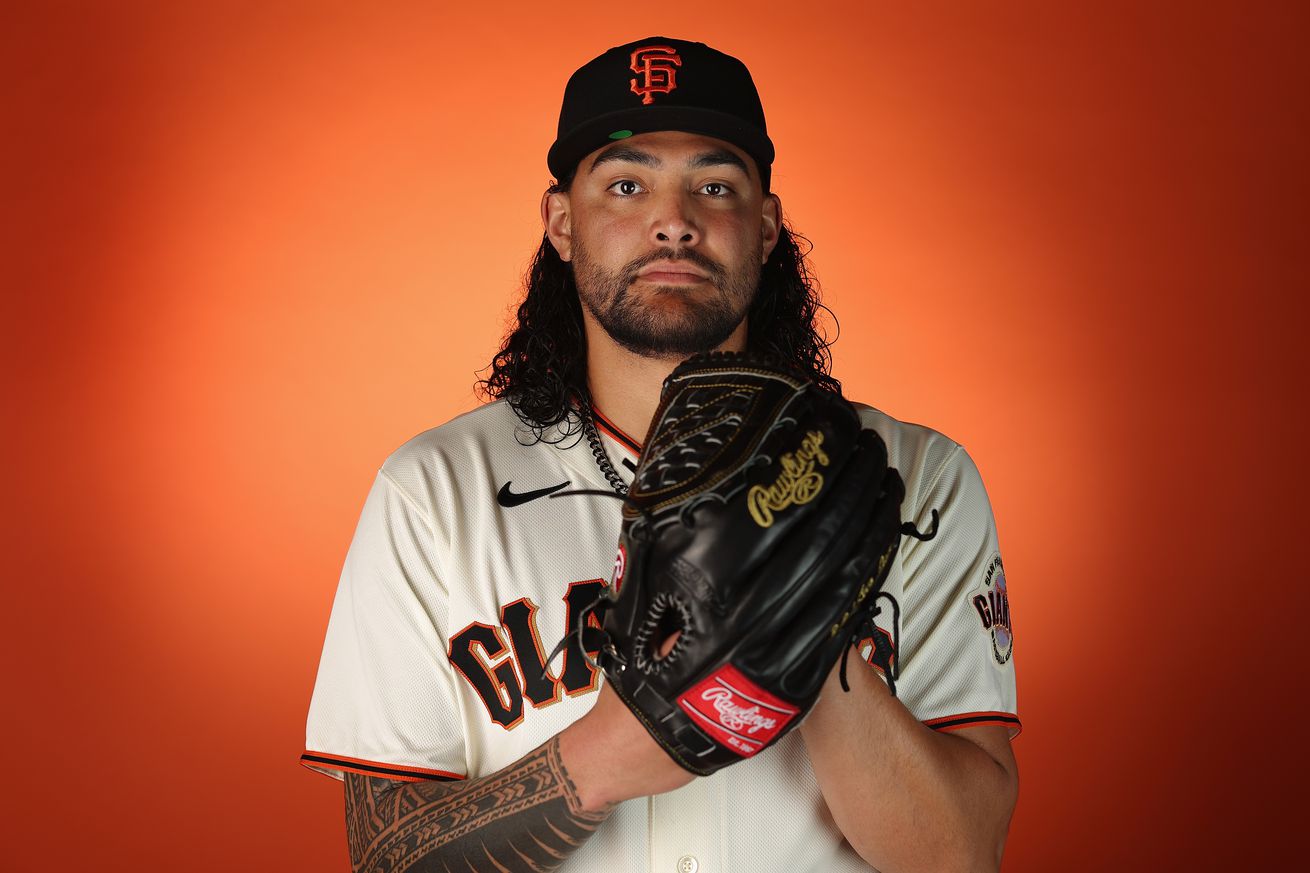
<point x="770" y="224"/>
<point x="557" y="220"/>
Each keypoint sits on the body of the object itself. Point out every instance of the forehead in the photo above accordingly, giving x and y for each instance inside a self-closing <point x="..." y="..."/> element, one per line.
<point x="669" y="149"/>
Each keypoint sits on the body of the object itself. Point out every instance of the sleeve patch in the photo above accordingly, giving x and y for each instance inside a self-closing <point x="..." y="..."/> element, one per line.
<point x="991" y="602"/>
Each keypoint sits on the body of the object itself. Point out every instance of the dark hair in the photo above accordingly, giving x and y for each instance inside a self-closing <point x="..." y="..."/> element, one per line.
<point x="542" y="366"/>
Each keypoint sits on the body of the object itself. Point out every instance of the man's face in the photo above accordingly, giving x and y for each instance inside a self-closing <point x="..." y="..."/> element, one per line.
<point x="667" y="233"/>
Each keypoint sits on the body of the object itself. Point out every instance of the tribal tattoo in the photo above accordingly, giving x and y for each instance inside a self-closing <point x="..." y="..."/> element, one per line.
<point x="526" y="817"/>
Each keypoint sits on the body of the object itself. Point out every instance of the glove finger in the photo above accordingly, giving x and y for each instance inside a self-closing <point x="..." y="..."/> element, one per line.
<point x="815" y="578"/>
<point x="827" y="625"/>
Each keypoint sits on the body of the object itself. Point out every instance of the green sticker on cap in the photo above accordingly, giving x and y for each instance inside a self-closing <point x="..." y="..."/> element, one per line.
<point x="621" y="134"/>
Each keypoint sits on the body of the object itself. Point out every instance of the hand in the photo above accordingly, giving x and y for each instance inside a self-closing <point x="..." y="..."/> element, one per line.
<point x="612" y="758"/>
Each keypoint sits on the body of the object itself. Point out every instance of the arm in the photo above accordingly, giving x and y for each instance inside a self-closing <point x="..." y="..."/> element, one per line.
<point x="385" y="681"/>
<point x="530" y="816"/>
<point x="525" y="817"/>
<point x="906" y="797"/>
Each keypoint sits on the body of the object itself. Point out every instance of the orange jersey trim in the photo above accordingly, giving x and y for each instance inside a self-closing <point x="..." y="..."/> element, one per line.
<point x="603" y="423"/>
<point x="399" y="772"/>
<point x="973" y="719"/>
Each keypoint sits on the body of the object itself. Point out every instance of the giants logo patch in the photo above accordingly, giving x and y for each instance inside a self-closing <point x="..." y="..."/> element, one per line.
<point x="992" y="602"/>
<point x="657" y="65"/>
<point x="736" y="712"/>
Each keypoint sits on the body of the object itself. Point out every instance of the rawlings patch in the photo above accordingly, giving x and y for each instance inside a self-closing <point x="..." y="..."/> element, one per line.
<point x="620" y="565"/>
<point x="735" y="711"/>
<point x="992" y="603"/>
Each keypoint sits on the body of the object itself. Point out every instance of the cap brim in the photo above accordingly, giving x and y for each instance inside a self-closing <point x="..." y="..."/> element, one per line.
<point x="568" y="150"/>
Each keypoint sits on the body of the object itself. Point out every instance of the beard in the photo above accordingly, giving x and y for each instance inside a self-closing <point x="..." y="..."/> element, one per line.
<point x="697" y="322"/>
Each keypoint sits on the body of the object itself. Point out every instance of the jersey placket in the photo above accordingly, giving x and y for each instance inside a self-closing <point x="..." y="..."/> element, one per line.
<point x="686" y="830"/>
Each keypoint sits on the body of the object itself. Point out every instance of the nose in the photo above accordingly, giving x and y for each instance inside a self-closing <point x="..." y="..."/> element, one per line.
<point x="674" y="222"/>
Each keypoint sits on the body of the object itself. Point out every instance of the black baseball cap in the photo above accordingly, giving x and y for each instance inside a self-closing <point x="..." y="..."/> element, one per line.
<point x="657" y="84"/>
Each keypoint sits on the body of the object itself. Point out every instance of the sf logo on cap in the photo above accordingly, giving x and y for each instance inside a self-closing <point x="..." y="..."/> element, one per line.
<point x="657" y="66"/>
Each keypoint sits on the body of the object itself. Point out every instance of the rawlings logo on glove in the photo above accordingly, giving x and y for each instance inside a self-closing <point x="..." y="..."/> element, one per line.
<point x="798" y="482"/>
<point x="737" y="712"/>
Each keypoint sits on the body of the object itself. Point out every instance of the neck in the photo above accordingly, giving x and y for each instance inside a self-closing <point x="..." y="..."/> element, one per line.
<point x="626" y="386"/>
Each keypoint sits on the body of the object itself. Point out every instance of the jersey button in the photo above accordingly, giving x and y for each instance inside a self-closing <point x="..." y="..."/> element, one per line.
<point x="688" y="864"/>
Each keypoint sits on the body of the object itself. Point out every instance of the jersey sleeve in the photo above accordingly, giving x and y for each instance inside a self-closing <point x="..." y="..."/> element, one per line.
<point x="384" y="702"/>
<point x="956" y="664"/>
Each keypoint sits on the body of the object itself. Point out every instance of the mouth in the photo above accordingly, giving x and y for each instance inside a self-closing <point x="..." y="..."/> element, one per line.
<point x="666" y="273"/>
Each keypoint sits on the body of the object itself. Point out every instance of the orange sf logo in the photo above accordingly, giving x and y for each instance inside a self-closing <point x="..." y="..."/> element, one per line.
<point x="657" y="66"/>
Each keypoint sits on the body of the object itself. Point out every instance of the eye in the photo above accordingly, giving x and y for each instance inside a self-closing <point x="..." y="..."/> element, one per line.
<point x="716" y="189"/>
<point x="625" y="187"/>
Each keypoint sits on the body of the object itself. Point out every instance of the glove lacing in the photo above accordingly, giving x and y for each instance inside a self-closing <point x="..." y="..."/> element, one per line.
<point x="865" y="627"/>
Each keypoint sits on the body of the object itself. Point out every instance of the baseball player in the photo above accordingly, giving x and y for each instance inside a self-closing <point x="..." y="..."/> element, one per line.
<point x="461" y="744"/>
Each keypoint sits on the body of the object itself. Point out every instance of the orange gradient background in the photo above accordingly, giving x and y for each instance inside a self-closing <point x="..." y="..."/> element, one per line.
<point x="253" y="247"/>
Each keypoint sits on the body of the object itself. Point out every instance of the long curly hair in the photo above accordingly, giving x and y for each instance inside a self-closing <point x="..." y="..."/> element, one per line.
<point x="541" y="368"/>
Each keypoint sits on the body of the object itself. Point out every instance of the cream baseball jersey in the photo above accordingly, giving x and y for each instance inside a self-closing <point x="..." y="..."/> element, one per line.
<point x="464" y="572"/>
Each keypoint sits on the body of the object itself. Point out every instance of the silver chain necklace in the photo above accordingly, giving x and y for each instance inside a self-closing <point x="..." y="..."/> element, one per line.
<point x="602" y="457"/>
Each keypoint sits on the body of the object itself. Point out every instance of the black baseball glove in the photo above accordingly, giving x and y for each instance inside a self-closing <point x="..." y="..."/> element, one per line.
<point x="760" y="526"/>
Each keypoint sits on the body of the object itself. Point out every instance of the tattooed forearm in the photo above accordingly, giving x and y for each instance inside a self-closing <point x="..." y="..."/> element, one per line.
<point x="523" y="818"/>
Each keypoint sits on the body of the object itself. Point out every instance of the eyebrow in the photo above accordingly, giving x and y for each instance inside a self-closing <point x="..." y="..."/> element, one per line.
<point x="715" y="158"/>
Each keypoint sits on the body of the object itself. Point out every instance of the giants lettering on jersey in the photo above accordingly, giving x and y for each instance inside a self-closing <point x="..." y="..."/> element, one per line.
<point x="503" y="675"/>
<point x="881" y="648"/>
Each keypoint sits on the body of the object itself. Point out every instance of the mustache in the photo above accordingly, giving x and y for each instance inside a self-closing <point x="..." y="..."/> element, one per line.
<point x="716" y="270"/>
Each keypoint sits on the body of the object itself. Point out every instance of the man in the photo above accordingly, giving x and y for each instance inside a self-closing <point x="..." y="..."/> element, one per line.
<point x="460" y="748"/>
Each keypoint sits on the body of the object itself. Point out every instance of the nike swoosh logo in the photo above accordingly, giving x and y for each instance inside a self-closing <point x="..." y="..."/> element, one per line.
<point x="508" y="498"/>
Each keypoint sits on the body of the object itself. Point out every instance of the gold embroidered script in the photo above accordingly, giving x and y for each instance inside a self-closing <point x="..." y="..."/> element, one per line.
<point x="798" y="483"/>
<point x="863" y="593"/>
